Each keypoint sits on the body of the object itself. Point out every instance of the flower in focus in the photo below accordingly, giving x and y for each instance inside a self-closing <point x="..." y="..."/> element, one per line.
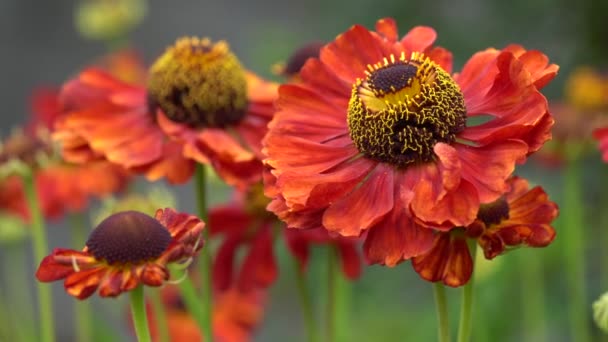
<point x="61" y="186"/>
<point x="376" y="137"/>
<point x="236" y="315"/>
<point x="198" y="105"/>
<point x="125" y="250"/>
<point x="523" y="216"/>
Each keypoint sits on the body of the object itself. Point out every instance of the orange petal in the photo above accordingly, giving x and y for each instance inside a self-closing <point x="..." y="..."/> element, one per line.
<point x="449" y="261"/>
<point x="364" y="206"/>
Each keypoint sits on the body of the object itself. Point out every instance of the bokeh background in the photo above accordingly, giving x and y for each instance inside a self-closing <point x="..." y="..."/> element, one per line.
<point x="40" y="46"/>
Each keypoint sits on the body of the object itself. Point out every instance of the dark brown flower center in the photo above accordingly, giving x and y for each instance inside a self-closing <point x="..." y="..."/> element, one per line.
<point x="300" y="56"/>
<point x="128" y="237"/>
<point x="495" y="212"/>
<point x="199" y="84"/>
<point x="403" y="108"/>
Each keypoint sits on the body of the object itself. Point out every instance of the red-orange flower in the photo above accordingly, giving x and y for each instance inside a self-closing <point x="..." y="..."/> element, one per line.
<point x="523" y="216"/>
<point x="376" y="136"/>
<point x="245" y="224"/>
<point x="199" y="105"/>
<point x="236" y="315"/>
<point x="601" y="134"/>
<point x="60" y="186"/>
<point x="125" y="250"/>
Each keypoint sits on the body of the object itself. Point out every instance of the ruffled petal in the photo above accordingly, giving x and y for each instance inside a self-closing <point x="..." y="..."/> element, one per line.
<point x="449" y="261"/>
<point x="488" y="167"/>
<point x="364" y="206"/>
<point x="396" y="238"/>
<point x="84" y="283"/>
<point x="350" y="53"/>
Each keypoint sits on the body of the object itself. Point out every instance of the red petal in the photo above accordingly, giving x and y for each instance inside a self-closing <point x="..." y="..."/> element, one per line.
<point x="350" y="53"/>
<point x="388" y="28"/>
<point x="84" y="283"/>
<point x="259" y="267"/>
<point x="396" y="238"/>
<point x="364" y="206"/>
<point x="448" y="261"/>
<point x="349" y="256"/>
<point x="488" y="167"/>
<point x="223" y="264"/>
<point x="419" y="39"/>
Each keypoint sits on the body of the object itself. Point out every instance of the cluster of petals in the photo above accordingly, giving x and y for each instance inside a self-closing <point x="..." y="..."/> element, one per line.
<point x="322" y="179"/>
<point x="530" y="214"/>
<point x="60" y="186"/>
<point x="84" y="273"/>
<point x="108" y="118"/>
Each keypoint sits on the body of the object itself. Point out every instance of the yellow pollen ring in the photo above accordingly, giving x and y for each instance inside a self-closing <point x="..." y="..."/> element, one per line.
<point x="402" y="108"/>
<point x="199" y="83"/>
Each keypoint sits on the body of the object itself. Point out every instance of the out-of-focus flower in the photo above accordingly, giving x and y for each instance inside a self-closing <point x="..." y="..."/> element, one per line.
<point x="600" y="312"/>
<point x="296" y="61"/>
<point x="61" y="186"/>
<point x="522" y="217"/>
<point x="236" y="315"/>
<point x="125" y="250"/>
<point x="108" y="20"/>
<point x="583" y="110"/>
<point x="245" y="224"/>
<point x="376" y="137"/>
<point x="199" y="105"/>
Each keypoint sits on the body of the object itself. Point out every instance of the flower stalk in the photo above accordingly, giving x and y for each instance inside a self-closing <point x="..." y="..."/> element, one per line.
<point x="47" y="333"/>
<point x="574" y="256"/>
<point x="305" y="303"/>
<point x="205" y="261"/>
<point x="82" y="309"/>
<point x="138" y="311"/>
<point x="466" y="310"/>
<point x="443" y="324"/>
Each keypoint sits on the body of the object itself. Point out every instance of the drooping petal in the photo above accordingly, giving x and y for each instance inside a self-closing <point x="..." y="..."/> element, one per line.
<point x="449" y="261"/>
<point x="396" y="238"/>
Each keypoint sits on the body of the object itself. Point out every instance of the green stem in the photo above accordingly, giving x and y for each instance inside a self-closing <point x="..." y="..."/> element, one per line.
<point x="574" y="256"/>
<point x="442" y="312"/>
<point x="18" y="295"/>
<point x="305" y="302"/>
<point x="533" y="298"/>
<point x="205" y="258"/>
<point x="138" y="311"/>
<point x="332" y="274"/>
<point x="466" y="310"/>
<point x="192" y="301"/>
<point x="40" y="251"/>
<point x="82" y="309"/>
<point x="160" y="316"/>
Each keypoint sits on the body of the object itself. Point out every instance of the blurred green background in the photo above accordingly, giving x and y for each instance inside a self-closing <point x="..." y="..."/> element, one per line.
<point x="41" y="47"/>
